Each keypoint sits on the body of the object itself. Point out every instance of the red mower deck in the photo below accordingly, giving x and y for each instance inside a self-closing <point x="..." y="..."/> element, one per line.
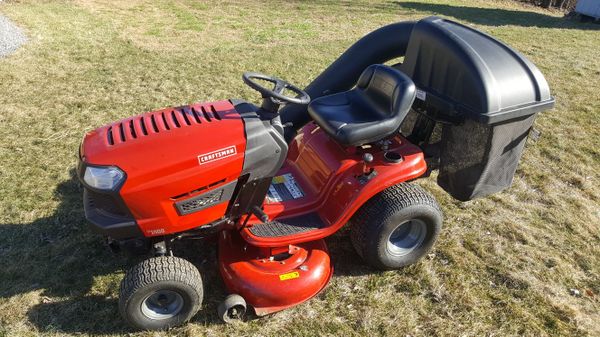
<point x="271" y="280"/>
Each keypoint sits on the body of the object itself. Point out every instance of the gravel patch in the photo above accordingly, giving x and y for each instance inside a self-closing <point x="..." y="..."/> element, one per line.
<point x="11" y="37"/>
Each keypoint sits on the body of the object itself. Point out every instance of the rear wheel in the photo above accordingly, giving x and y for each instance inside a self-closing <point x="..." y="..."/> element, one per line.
<point x="160" y="293"/>
<point x="396" y="227"/>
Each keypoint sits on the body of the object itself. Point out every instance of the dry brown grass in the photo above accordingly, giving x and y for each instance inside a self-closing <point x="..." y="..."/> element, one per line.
<point x="503" y="265"/>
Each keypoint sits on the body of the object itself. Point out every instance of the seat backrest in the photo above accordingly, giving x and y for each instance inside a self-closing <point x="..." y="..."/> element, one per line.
<point x="390" y="90"/>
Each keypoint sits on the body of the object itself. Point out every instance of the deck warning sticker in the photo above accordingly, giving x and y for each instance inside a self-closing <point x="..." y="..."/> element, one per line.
<point x="289" y="276"/>
<point x="283" y="188"/>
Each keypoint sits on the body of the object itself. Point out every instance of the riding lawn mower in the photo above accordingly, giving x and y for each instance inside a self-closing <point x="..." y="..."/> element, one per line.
<point x="270" y="182"/>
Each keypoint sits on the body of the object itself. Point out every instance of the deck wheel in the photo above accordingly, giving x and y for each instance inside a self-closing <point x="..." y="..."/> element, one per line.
<point x="232" y="308"/>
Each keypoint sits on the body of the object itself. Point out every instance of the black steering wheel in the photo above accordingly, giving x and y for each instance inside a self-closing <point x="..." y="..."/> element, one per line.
<point x="277" y="92"/>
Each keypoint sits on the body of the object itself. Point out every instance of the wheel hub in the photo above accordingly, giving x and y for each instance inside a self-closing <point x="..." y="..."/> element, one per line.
<point x="162" y="304"/>
<point x="407" y="237"/>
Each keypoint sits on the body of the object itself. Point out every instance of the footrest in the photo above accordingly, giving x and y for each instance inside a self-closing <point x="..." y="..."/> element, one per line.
<point x="289" y="226"/>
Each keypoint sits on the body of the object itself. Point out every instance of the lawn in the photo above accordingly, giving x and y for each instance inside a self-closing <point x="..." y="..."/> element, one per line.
<point x="506" y="265"/>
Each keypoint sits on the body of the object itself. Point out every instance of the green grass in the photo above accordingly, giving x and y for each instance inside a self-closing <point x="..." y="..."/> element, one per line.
<point x="503" y="265"/>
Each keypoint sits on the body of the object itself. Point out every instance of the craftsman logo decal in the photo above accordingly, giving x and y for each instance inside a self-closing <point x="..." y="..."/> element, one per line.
<point x="216" y="155"/>
<point x="289" y="276"/>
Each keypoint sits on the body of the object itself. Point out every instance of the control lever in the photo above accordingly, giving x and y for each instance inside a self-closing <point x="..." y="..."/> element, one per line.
<point x="368" y="172"/>
<point x="259" y="213"/>
<point x="367" y="159"/>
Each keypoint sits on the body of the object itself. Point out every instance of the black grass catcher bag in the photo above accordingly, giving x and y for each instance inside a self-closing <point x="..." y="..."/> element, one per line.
<point x="477" y="100"/>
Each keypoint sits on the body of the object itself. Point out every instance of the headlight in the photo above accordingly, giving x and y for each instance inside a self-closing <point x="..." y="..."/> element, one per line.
<point x="103" y="178"/>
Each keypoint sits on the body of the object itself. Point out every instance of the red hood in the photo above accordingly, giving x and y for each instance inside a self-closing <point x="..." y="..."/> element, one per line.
<point x="170" y="152"/>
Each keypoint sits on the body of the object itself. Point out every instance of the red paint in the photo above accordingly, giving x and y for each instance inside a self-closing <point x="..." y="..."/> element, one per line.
<point x="248" y="271"/>
<point x="163" y="162"/>
<point x="327" y="174"/>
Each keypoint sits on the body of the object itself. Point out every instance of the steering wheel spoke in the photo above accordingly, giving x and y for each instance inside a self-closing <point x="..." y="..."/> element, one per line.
<point x="277" y="93"/>
<point x="279" y="87"/>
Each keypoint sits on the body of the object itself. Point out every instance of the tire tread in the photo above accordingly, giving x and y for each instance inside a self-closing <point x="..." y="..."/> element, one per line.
<point x="381" y="207"/>
<point x="157" y="269"/>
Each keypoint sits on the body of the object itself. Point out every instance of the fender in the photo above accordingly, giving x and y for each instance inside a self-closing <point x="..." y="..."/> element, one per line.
<point x="335" y="181"/>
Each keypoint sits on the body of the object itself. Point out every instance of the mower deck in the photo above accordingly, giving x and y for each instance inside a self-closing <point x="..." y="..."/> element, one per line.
<point x="272" y="280"/>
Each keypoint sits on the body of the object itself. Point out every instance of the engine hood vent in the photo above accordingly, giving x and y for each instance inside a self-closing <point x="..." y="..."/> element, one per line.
<point x="161" y="121"/>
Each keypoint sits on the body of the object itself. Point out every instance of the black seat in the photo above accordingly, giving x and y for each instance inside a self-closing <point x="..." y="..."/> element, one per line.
<point x="371" y="111"/>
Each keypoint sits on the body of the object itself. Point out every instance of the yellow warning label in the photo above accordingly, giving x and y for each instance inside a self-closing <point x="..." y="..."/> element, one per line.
<point x="279" y="179"/>
<point x="289" y="276"/>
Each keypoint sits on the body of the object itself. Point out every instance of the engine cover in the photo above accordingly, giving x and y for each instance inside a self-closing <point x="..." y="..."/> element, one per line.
<point x="181" y="164"/>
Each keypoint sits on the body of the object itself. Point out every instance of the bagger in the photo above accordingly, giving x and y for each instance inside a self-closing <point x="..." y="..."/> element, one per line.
<point x="272" y="181"/>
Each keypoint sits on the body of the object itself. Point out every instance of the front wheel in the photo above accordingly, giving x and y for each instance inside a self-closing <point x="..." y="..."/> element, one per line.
<point x="396" y="227"/>
<point x="160" y="293"/>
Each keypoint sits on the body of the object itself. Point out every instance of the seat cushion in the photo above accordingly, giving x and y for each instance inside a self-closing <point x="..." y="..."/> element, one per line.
<point x="349" y="120"/>
<point x="371" y="111"/>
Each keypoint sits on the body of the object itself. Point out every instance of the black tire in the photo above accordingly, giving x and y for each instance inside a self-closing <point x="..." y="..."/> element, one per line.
<point x="160" y="293"/>
<point x="405" y="211"/>
<point x="232" y="308"/>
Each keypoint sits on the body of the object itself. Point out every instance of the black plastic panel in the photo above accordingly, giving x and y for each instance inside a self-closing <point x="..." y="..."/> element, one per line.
<point x="206" y="200"/>
<point x="460" y="70"/>
<point x="101" y="214"/>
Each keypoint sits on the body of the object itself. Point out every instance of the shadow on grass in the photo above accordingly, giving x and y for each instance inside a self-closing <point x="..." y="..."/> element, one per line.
<point x="61" y="258"/>
<point x="98" y="314"/>
<point x="346" y="262"/>
<point x="58" y="257"/>
<point x="497" y="17"/>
